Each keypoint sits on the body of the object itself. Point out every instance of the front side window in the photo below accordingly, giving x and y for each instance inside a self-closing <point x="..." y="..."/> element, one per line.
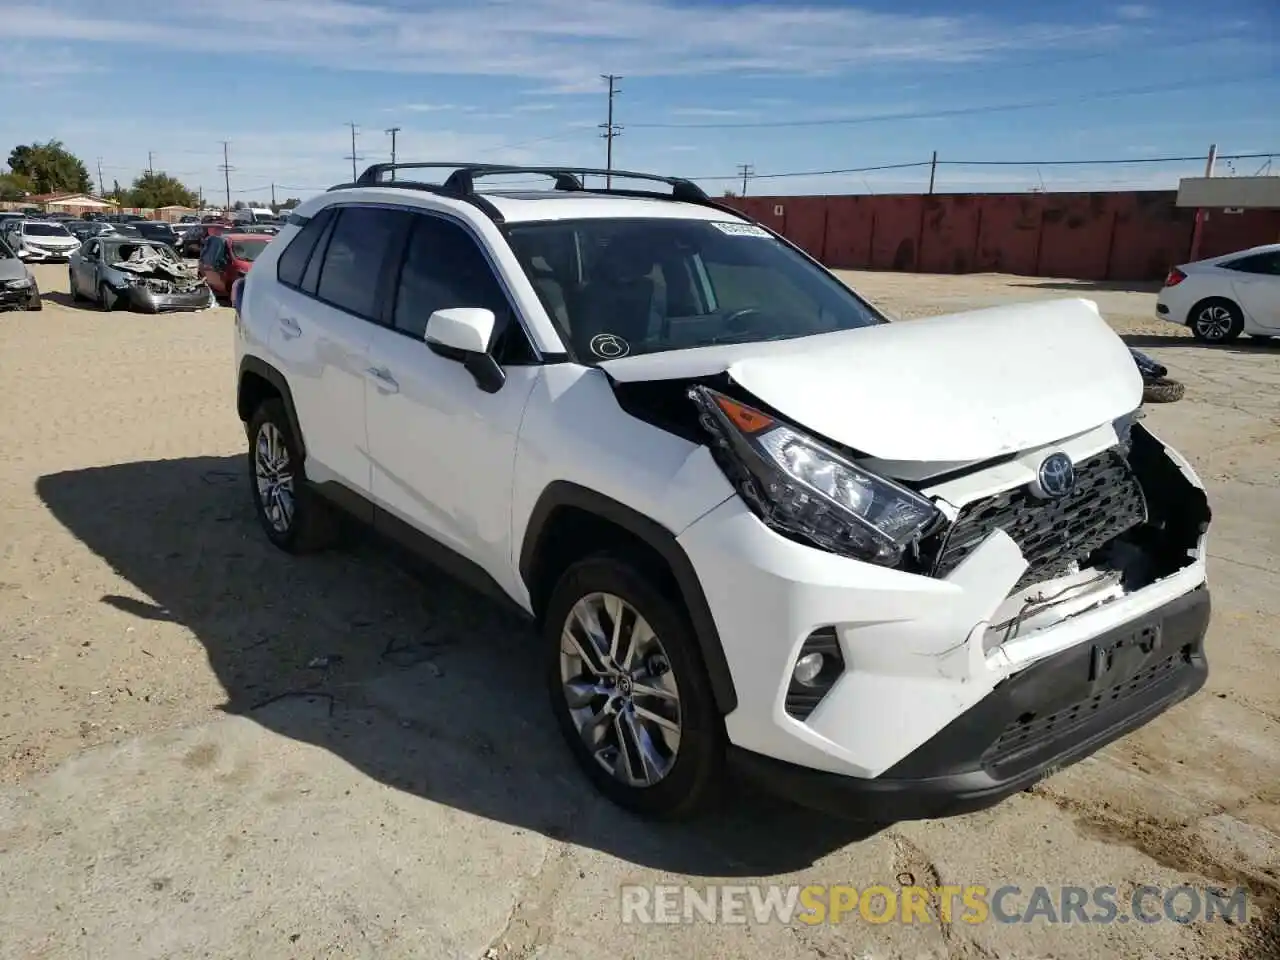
<point x="355" y="256"/>
<point x="620" y="287"/>
<point x="443" y="268"/>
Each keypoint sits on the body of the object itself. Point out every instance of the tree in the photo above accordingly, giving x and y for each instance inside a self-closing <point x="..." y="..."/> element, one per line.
<point x="238" y="205"/>
<point x="729" y="194"/>
<point x="50" y="168"/>
<point x="290" y="203"/>
<point x="158" y="189"/>
<point x="115" y="194"/>
<point x="14" y="186"/>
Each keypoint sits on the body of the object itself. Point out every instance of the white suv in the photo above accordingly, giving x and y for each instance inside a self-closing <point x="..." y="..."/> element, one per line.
<point x="894" y="570"/>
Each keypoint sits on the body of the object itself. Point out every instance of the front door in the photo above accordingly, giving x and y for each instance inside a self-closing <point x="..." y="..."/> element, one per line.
<point x="443" y="450"/>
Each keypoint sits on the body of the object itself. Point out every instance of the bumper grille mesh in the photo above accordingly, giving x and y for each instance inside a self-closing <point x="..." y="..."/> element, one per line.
<point x="1107" y="500"/>
<point x="1031" y="732"/>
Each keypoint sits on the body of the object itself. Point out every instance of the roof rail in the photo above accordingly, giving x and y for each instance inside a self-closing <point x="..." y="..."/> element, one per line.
<point x="462" y="181"/>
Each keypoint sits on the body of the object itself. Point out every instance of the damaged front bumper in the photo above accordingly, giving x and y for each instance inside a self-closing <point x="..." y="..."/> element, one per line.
<point x="958" y="689"/>
<point x="163" y="299"/>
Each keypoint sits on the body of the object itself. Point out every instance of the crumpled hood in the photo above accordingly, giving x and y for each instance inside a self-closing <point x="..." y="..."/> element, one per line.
<point x="962" y="387"/>
<point x="11" y="268"/>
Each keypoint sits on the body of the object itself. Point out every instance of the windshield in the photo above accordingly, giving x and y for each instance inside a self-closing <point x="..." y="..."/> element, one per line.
<point x="247" y="249"/>
<point x="620" y="287"/>
<point x="44" y="230"/>
<point x="116" y="252"/>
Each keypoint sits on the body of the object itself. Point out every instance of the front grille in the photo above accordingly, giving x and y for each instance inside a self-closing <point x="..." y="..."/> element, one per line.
<point x="1031" y="732"/>
<point x="1052" y="534"/>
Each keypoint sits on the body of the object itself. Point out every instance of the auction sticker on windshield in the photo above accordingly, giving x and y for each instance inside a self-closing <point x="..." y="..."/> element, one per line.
<point x="741" y="229"/>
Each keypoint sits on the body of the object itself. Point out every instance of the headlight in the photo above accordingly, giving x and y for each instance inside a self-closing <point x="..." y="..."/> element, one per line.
<point x="801" y="486"/>
<point x="19" y="284"/>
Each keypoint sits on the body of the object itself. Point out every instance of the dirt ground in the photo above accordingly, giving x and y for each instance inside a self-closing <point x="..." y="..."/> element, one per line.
<point x="164" y="794"/>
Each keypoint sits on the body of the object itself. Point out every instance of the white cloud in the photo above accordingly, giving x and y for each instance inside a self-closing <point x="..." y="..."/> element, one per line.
<point x="1134" y="11"/>
<point x="564" y="44"/>
<point x="711" y="112"/>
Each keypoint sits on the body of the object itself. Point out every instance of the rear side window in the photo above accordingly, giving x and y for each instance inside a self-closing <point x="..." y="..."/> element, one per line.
<point x="1267" y="264"/>
<point x="293" y="261"/>
<point x="355" y="257"/>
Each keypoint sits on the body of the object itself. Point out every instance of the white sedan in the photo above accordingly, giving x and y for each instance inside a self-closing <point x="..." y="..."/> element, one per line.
<point x="1223" y="297"/>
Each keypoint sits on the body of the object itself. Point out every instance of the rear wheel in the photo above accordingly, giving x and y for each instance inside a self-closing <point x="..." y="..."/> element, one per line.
<point x="630" y="692"/>
<point x="294" y="517"/>
<point x="106" y="298"/>
<point x="1216" y="321"/>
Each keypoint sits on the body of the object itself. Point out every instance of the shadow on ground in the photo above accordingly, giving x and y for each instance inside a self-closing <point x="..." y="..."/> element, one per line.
<point x="1243" y="345"/>
<point x="414" y="680"/>
<point x="65" y="300"/>
<point x="1114" y="286"/>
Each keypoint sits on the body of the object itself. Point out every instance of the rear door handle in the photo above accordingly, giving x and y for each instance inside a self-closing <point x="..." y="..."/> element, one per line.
<point x="384" y="381"/>
<point x="290" y="328"/>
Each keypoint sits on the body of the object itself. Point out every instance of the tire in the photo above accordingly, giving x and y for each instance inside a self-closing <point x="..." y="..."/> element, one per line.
<point x="1216" y="320"/>
<point x="692" y="767"/>
<point x="311" y="524"/>
<point x="36" y="303"/>
<point x="106" y="298"/>
<point x="1162" y="390"/>
<point x="76" y="295"/>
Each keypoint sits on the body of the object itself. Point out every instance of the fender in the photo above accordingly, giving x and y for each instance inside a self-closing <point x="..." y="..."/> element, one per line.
<point x="562" y="493"/>
<point x="259" y="367"/>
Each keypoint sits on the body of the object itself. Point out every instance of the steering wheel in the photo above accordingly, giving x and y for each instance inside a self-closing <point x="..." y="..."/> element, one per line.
<point x="739" y="321"/>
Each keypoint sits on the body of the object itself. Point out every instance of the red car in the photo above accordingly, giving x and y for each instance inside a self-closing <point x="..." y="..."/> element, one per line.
<point x="192" y="241"/>
<point x="227" y="257"/>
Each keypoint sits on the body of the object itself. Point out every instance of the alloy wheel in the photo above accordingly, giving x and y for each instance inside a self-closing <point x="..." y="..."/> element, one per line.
<point x="273" y="475"/>
<point x="620" y="689"/>
<point x="1214" y="322"/>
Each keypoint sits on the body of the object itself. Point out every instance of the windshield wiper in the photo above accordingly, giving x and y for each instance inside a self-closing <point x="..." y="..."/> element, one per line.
<point x="748" y="337"/>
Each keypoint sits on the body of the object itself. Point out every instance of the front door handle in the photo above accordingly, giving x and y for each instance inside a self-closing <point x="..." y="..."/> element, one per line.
<point x="290" y="328"/>
<point x="384" y="381"/>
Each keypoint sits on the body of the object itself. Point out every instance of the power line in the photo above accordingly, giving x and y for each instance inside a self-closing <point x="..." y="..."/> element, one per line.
<point x="745" y="170"/>
<point x="986" y="163"/>
<point x="1114" y="94"/>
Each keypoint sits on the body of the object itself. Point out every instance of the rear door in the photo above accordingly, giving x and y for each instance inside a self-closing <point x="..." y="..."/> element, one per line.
<point x="331" y="291"/>
<point x="1256" y="282"/>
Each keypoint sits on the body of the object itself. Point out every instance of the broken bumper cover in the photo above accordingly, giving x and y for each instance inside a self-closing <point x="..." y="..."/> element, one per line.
<point x="140" y="298"/>
<point x="1047" y="717"/>
<point x="926" y="656"/>
<point x="16" y="298"/>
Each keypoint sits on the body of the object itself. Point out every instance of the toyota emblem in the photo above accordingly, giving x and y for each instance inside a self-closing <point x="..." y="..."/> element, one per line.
<point x="1056" y="476"/>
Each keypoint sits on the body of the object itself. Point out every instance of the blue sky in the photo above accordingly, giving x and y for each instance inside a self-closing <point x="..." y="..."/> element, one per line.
<point x="707" y="85"/>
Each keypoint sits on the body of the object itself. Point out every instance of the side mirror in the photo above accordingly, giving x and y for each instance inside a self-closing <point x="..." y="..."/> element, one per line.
<point x="463" y="334"/>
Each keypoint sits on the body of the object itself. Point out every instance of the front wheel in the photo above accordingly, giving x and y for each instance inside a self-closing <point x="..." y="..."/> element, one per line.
<point x="35" y="302"/>
<point x="630" y="692"/>
<point x="106" y="298"/>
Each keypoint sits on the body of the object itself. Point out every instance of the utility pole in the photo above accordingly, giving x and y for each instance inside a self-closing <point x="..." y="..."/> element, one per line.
<point x="610" y="129"/>
<point x="102" y="190"/>
<point x="353" y="158"/>
<point x="745" y="170"/>
<point x="150" y="166"/>
<point x="1198" y="229"/>
<point x="273" y="198"/>
<point x="933" y="169"/>
<point x="393" y="131"/>
<point x="226" y="171"/>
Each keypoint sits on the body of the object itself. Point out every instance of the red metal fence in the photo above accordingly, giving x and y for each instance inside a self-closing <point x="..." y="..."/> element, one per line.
<point x="1122" y="236"/>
